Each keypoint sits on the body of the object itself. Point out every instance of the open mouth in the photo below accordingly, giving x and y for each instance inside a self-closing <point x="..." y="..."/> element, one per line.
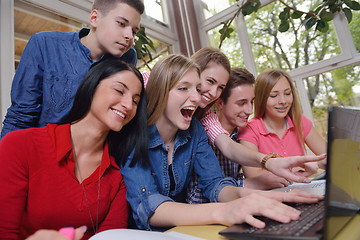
<point x="188" y="112"/>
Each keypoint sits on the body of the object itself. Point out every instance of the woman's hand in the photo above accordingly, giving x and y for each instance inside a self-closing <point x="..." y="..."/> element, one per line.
<point x="284" y="167"/>
<point x="262" y="203"/>
<point x="45" y="234"/>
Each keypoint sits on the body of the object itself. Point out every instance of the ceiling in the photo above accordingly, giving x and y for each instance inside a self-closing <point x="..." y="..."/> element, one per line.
<point x="29" y="20"/>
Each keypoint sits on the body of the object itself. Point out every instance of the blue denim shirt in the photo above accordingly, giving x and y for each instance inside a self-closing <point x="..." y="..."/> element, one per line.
<point x="52" y="67"/>
<point x="148" y="187"/>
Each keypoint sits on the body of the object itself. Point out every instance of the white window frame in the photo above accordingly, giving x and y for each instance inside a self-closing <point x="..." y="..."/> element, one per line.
<point x="348" y="55"/>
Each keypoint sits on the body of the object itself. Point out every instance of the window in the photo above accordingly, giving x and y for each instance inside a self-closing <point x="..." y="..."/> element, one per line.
<point x="212" y="7"/>
<point x="29" y="19"/>
<point x="310" y="57"/>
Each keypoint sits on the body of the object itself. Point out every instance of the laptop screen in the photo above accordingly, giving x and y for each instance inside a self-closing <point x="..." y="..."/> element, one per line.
<point x="343" y="176"/>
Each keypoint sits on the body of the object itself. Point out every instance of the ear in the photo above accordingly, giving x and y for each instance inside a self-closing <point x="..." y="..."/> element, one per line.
<point x="94" y="17"/>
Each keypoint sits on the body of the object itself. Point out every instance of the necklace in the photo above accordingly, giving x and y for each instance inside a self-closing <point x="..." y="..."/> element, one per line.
<point x="95" y="225"/>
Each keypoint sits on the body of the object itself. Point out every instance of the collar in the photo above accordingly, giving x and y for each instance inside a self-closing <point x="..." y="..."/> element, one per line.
<point x="155" y="139"/>
<point x="82" y="33"/>
<point x="63" y="146"/>
<point x="263" y="130"/>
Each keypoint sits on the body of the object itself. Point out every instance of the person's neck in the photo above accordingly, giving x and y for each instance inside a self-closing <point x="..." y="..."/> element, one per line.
<point x="167" y="132"/>
<point x="225" y="123"/>
<point x="86" y="138"/>
<point x="90" y="42"/>
<point x="274" y="124"/>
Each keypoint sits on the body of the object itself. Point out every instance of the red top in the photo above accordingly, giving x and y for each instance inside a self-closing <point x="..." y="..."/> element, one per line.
<point x="39" y="189"/>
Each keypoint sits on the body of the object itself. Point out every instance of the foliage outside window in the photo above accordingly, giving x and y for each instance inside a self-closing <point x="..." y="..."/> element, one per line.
<point x="297" y="47"/>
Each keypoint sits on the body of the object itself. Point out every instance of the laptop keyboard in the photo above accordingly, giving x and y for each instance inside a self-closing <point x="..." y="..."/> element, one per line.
<point x="310" y="215"/>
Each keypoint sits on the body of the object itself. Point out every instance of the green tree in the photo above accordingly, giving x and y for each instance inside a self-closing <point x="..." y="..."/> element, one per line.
<point x="296" y="47"/>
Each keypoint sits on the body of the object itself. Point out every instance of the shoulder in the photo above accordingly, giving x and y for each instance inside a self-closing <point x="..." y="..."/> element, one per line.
<point x="53" y="35"/>
<point x="307" y="125"/>
<point x="305" y="120"/>
<point x="196" y="125"/>
<point x="23" y="138"/>
<point x="255" y="123"/>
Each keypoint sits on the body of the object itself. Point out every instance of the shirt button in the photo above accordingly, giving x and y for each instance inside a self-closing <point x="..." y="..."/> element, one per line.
<point x="166" y="186"/>
<point x="143" y="190"/>
<point x="165" y="167"/>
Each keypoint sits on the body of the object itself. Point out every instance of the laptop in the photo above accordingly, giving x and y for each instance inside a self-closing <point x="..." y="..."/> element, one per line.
<point x="325" y="219"/>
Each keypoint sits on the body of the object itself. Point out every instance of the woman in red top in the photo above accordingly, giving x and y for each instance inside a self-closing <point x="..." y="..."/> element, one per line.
<point x="68" y="174"/>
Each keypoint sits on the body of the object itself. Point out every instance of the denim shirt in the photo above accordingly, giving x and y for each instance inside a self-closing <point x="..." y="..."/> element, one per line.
<point x="51" y="69"/>
<point x="148" y="187"/>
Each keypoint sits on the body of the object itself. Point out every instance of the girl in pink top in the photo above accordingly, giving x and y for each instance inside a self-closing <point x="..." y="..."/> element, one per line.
<point x="278" y="125"/>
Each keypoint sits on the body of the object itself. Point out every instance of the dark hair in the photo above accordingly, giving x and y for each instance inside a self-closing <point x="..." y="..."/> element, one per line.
<point x="238" y="77"/>
<point x="105" y="6"/>
<point x="133" y="134"/>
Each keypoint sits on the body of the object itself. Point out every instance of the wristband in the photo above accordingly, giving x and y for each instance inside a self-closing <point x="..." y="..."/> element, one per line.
<point x="267" y="157"/>
<point x="68" y="232"/>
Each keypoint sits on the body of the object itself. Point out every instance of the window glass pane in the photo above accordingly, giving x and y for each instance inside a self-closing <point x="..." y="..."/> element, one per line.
<point x="155" y="10"/>
<point x="340" y="87"/>
<point x="29" y="20"/>
<point x="211" y="7"/>
<point x="230" y="47"/>
<point x="355" y="30"/>
<point x="292" y="49"/>
<point x="162" y="50"/>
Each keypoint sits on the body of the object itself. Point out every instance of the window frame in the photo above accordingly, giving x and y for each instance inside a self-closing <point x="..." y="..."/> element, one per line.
<point x="348" y="55"/>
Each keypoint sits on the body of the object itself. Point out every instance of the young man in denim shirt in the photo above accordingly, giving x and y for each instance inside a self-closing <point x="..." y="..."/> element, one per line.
<point x="54" y="63"/>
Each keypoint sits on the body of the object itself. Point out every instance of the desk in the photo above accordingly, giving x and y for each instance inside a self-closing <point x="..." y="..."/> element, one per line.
<point x="210" y="232"/>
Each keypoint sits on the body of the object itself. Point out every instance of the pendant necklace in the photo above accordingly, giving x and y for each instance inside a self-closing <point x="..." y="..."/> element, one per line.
<point x="95" y="225"/>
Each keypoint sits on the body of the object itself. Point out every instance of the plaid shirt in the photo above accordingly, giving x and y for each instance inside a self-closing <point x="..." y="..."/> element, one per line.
<point x="229" y="168"/>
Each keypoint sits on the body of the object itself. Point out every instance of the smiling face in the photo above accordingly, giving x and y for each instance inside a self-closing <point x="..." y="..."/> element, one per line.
<point x="115" y="31"/>
<point x="183" y="100"/>
<point x="115" y="101"/>
<point x="239" y="106"/>
<point x="213" y="81"/>
<point x="280" y="99"/>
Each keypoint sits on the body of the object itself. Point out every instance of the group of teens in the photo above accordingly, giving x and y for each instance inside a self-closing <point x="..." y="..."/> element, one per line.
<point x="154" y="139"/>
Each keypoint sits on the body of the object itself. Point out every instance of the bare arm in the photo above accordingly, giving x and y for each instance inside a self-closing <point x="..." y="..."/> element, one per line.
<point x="237" y="152"/>
<point x="254" y="203"/>
<point x="250" y="172"/>
<point x="258" y="178"/>
<point x="317" y="145"/>
<point x="279" y="166"/>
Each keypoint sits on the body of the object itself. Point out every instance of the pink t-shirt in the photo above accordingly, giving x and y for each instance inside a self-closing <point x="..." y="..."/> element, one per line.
<point x="267" y="142"/>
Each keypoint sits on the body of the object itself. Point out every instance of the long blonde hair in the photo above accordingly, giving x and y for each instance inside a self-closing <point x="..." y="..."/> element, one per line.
<point x="264" y="83"/>
<point x="164" y="76"/>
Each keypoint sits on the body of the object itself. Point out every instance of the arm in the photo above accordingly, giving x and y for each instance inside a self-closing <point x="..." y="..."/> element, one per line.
<point x="13" y="184"/>
<point x="279" y="166"/>
<point x="258" y="178"/>
<point x="212" y="126"/>
<point x="316" y="144"/>
<point x="26" y="90"/>
<point x="254" y="203"/>
<point x="238" y="152"/>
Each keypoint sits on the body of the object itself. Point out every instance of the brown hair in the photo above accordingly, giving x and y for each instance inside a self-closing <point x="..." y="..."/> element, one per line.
<point x="164" y="76"/>
<point x="104" y="6"/>
<point x="203" y="57"/>
<point x="238" y="77"/>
